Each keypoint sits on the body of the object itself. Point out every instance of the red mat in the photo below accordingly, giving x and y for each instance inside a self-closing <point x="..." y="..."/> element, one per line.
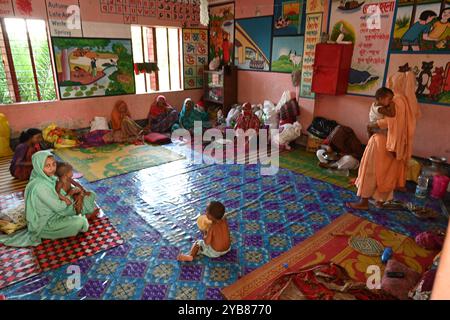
<point x="18" y="264"/>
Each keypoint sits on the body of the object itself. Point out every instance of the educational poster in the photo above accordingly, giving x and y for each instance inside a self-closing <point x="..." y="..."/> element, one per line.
<point x="89" y="67"/>
<point x="312" y="37"/>
<point x="195" y="52"/>
<point x="287" y="54"/>
<point x="432" y="73"/>
<point x="422" y="26"/>
<point x="287" y="17"/>
<point x="23" y="9"/>
<point x="253" y="42"/>
<point x="140" y="11"/>
<point x="64" y="18"/>
<point x="368" y="25"/>
<point x="6" y="8"/>
<point x="314" y="6"/>
<point x="221" y="32"/>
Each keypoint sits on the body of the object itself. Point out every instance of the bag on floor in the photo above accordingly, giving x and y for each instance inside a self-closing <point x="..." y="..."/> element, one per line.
<point x="5" y="134"/>
<point x="321" y="127"/>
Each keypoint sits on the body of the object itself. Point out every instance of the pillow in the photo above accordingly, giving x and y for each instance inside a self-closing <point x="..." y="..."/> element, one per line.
<point x="13" y="218"/>
<point x="157" y="138"/>
<point x="399" y="287"/>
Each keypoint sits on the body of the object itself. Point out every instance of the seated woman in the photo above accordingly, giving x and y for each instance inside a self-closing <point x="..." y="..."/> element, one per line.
<point x="247" y="120"/>
<point x="21" y="165"/>
<point x="289" y="112"/>
<point x="124" y="129"/>
<point x="189" y="114"/>
<point x="342" y="150"/>
<point x="47" y="216"/>
<point x="161" y="116"/>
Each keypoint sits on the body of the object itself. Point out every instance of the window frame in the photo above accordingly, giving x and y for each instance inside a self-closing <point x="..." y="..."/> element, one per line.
<point x="9" y="67"/>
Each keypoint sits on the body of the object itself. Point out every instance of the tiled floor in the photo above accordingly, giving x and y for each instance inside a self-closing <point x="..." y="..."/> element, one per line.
<point x="155" y="211"/>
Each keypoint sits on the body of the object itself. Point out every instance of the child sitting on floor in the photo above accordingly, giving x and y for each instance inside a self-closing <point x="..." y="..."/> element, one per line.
<point x="382" y="107"/>
<point x="216" y="240"/>
<point x="65" y="183"/>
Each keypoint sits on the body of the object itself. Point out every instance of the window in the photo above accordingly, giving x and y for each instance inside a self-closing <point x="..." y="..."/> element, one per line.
<point x="163" y="46"/>
<point x="26" y="72"/>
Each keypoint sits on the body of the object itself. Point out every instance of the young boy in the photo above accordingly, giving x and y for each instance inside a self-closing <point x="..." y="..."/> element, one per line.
<point x="216" y="240"/>
<point x="421" y="28"/>
<point x="382" y="107"/>
<point x="64" y="171"/>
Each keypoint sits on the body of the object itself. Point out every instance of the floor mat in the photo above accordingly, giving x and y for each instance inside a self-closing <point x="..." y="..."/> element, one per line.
<point x="303" y="162"/>
<point x="107" y="161"/>
<point x="8" y="183"/>
<point x="18" y="264"/>
<point x="155" y="211"/>
<point x="331" y="244"/>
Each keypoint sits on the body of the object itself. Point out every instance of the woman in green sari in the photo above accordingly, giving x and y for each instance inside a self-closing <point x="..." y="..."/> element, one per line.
<point x="189" y="114"/>
<point x="47" y="216"/>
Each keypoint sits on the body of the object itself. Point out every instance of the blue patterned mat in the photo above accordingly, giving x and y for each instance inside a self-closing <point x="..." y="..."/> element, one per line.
<point x="155" y="211"/>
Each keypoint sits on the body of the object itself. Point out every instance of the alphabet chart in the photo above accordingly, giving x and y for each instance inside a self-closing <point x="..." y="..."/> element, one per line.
<point x="136" y="11"/>
<point x="195" y="49"/>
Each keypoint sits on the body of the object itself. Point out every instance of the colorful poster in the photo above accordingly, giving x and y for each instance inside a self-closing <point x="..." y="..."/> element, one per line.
<point x="312" y="37"/>
<point x="253" y="42"/>
<point x="314" y="6"/>
<point x="368" y="25"/>
<point x="287" y="17"/>
<point x="287" y="54"/>
<point x="432" y="73"/>
<point x="89" y="67"/>
<point x="221" y="32"/>
<point x="195" y="52"/>
<point x="422" y="26"/>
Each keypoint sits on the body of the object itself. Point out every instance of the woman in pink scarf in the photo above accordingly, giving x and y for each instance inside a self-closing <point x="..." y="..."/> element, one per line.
<point x="161" y="116"/>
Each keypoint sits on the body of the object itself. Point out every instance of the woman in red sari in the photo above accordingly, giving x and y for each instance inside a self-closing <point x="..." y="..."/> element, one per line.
<point x="21" y="166"/>
<point x="247" y="120"/>
<point x="161" y="116"/>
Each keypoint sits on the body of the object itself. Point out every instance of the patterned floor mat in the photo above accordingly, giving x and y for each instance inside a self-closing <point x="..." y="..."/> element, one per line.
<point x="17" y="264"/>
<point x="154" y="210"/>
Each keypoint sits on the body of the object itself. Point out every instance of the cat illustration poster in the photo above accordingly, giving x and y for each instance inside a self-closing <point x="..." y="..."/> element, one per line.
<point x="432" y="73"/>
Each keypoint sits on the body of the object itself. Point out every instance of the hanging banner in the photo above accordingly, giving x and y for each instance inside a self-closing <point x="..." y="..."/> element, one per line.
<point x="368" y="25"/>
<point x="195" y="52"/>
<point x="312" y="37"/>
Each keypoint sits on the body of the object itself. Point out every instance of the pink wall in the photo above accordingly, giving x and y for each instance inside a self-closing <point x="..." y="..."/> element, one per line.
<point x="78" y="113"/>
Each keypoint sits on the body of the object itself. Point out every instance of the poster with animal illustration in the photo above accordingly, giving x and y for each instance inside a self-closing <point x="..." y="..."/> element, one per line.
<point x="288" y="17"/>
<point x="221" y="33"/>
<point x="421" y="26"/>
<point x="92" y="67"/>
<point x="367" y="24"/>
<point x="432" y="73"/>
<point x="253" y="43"/>
<point x="287" y="54"/>
<point x="195" y="52"/>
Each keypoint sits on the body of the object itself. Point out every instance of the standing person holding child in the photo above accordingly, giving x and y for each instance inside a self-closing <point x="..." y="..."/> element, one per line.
<point x="21" y="165"/>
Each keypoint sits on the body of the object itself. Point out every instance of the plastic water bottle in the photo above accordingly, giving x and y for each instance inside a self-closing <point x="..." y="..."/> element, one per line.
<point x="422" y="186"/>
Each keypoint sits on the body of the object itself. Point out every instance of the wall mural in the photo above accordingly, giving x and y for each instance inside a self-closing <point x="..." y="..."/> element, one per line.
<point x="368" y="25"/>
<point x="432" y="73"/>
<point x="88" y="67"/>
<point x="422" y="25"/>
<point x="221" y="32"/>
<point x="288" y="17"/>
<point x="287" y="54"/>
<point x="253" y="43"/>
<point x="195" y="51"/>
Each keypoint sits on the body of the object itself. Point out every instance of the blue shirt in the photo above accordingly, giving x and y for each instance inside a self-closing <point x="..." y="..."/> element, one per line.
<point x="414" y="33"/>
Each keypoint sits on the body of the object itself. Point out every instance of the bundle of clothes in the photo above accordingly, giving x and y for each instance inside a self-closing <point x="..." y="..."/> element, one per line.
<point x="60" y="137"/>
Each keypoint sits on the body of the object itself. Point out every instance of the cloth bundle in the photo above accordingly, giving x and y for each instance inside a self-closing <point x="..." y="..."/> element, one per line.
<point x="288" y="133"/>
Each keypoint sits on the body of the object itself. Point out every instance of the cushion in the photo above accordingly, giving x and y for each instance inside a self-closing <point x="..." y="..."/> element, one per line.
<point x="13" y="218"/>
<point x="157" y="138"/>
<point x="399" y="287"/>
